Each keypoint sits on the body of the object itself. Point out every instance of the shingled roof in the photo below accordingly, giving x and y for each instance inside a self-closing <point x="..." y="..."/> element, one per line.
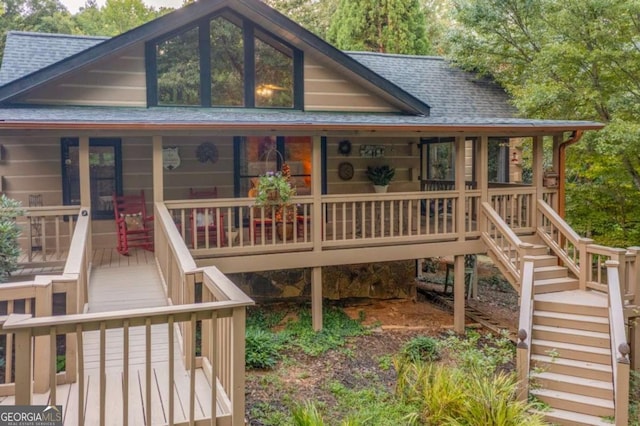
<point x="27" y="52"/>
<point x="449" y="91"/>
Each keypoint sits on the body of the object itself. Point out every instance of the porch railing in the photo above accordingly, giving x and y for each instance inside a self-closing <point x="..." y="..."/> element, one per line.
<point x="515" y="206"/>
<point x="222" y="345"/>
<point x="46" y="233"/>
<point x="44" y="296"/>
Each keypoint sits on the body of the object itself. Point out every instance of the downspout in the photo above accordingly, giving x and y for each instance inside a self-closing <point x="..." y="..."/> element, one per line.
<point x="575" y="138"/>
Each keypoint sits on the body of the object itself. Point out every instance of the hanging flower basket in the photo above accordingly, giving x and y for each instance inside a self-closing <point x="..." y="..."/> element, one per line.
<point x="274" y="192"/>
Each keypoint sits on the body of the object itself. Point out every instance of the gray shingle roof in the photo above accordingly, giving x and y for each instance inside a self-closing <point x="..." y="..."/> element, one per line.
<point x="448" y="90"/>
<point x="170" y="116"/>
<point x="26" y="52"/>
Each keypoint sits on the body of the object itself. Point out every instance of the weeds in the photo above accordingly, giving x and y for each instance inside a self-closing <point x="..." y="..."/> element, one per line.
<point x="420" y="349"/>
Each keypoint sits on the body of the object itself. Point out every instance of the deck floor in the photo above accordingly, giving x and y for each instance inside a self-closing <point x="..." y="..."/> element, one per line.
<point x="121" y="283"/>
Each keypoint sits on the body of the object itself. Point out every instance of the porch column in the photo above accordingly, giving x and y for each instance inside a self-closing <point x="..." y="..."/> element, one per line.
<point x="538" y="173"/>
<point x="316" y="231"/>
<point x="458" y="294"/>
<point x="158" y="173"/>
<point x="557" y="141"/>
<point x="84" y="171"/>
<point x="460" y="183"/>
<point x="482" y="178"/>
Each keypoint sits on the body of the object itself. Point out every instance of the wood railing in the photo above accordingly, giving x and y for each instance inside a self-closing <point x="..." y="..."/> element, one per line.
<point x="515" y="206"/>
<point x="445" y="185"/>
<point x="237" y="226"/>
<point x="222" y="344"/>
<point x="26" y="327"/>
<point x="63" y="294"/>
<point x="619" y="346"/>
<point x="46" y="233"/>
<point x="525" y="324"/>
<point x="504" y="245"/>
<point x="411" y="216"/>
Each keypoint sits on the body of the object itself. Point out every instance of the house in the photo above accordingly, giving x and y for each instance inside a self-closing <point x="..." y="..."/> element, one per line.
<point x="190" y="109"/>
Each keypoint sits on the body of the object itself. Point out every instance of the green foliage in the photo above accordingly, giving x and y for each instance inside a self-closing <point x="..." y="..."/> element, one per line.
<point x="461" y="396"/>
<point x="337" y="327"/>
<point x="314" y="15"/>
<point x="262" y="349"/>
<point x="390" y="26"/>
<point x="476" y="352"/>
<point x="306" y="415"/>
<point x="9" y="233"/>
<point x="274" y="189"/>
<point x="380" y="175"/>
<point x="554" y="71"/>
<point x="634" y="398"/>
<point x="421" y="349"/>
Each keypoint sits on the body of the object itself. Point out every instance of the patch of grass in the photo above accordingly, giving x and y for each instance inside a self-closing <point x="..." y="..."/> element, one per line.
<point x="337" y="327"/>
<point x="264" y="319"/>
<point x="475" y="351"/>
<point x="371" y="406"/>
<point x="421" y="349"/>
<point x="269" y="415"/>
<point x="385" y="362"/>
<point x="306" y="415"/>
<point x="634" y="399"/>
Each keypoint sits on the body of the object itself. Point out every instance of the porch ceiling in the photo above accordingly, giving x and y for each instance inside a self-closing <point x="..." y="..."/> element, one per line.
<point x="169" y="119"/>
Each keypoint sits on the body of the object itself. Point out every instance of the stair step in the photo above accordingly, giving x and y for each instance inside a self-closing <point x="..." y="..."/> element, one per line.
<point x="578" y="403"/>
<point x="553" y="285"/>
<point x="549" y="272"/>
<point x="571" y="351"/>
<point x="572" y="367"/>
<point x="575" y="302"/>
<point x="571" y="335"/>
<point x="576" y="321"/>
<point x="573" y="384"/>
<point x="543" y="260"/>
<point x="570" y="418"/>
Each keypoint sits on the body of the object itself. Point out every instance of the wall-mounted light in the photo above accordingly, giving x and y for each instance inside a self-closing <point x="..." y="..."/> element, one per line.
<point x="550" y="179"/>
<point x="514" y="158"/>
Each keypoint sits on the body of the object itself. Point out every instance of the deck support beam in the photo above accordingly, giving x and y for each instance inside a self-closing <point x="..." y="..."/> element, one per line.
<point x="316" y="298"/>
<point x="458" y="294"/>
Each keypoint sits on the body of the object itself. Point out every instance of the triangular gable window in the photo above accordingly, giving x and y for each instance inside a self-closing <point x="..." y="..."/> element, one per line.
<point x="224" y="61"/>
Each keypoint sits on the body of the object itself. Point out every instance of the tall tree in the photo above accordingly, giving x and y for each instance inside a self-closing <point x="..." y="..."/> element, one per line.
<point x="314" y="15"/>
<point x="575" y="59"/>
<point x="115" y="17"/>
<point x="390" y="26"/>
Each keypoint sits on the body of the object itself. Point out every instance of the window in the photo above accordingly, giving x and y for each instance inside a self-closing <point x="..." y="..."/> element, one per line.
<point x="257" y="155"/>
<point x="224" y="61"/>
<point x="105" y="174"/>
<point x="498" y="160"/>
<point x="178" y="67"/>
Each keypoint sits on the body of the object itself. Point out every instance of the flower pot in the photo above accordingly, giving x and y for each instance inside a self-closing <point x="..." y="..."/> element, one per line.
<point x="280" y="230"/>
<point x="380" y="189"/>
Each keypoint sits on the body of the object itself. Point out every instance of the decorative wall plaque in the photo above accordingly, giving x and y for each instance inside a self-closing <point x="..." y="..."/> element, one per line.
<point x="170" y="158"/>
<point x="345" y="171"/>
<point x="207" y="151"/>
<point x="371" y="151"/>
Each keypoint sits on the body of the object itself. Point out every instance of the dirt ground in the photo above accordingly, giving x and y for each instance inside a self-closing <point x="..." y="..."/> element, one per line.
<point x="301" y="377"/>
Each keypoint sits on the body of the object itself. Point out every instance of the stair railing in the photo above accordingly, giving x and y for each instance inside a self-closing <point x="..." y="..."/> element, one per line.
<point x="524" y="328"/>
<point x="570" y="247"/>
<point x="619" y="347"/>
<point x="504" y="244"/>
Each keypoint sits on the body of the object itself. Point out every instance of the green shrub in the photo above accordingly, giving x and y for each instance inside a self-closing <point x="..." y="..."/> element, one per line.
<point x="421" y="348"/>
<point x="9" y="233"/>
<point x="262" y="349"/>
<point x="306" y="415"/>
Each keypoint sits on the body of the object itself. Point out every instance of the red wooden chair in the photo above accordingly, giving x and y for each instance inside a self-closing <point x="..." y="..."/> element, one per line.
<point x="133" y="226"/>
<point x="205" y="220"/>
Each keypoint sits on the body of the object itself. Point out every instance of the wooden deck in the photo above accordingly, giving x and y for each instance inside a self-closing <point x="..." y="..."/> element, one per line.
<point x="121" y="283"/>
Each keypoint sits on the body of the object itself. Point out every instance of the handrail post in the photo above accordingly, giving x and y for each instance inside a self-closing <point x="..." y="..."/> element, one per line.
<point x="584" y="263"/>
<point x="522" y="363"/>
<point x="24" y="362"/>
<point x="238" y="366"/>
<point x="42" y="350"/>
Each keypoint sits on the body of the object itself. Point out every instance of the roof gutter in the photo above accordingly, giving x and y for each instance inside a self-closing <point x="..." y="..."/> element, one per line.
<point x="575" y="138"/>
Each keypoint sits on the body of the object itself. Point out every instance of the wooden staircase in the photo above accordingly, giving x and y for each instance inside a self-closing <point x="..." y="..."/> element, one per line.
<point x="566" y="341"/>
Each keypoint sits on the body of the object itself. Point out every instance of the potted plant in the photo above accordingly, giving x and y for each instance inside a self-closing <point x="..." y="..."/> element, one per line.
<point x="274" y="192"/>
<point x="380" y="176"/>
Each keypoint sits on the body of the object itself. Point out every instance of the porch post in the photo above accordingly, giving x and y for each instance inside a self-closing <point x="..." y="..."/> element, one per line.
<point x="158" y="174"/>
<point x="460" y="185"/>
<point x="316" y="231"/>
<point x="557" y="141"/>
<point x="538" y="172"/>
<point x="482" y="178"/>
<point x="84" y="170"/>
<point x="458" y="294"/>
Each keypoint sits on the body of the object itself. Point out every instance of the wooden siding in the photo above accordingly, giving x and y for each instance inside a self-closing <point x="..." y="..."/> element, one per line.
<point x="402" y="154"/>
<point x="114" y="81"/>
<point x="328" y="90"/>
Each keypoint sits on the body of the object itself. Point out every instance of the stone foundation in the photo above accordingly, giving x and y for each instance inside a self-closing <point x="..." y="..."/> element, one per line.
<point x="388" y="280"/>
